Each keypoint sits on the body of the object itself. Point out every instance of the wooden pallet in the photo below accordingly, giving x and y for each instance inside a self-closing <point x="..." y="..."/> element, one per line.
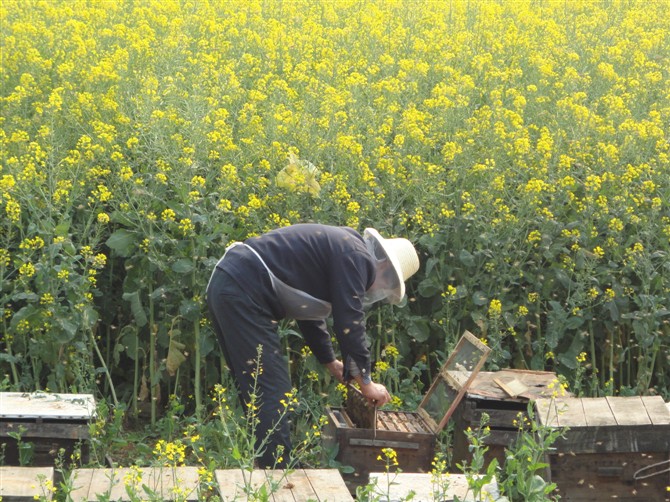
<point x="426" y="488"/>
<point x="170" y="483"/>
<point x="301" y="485"/>
<point x="25" y="483"/>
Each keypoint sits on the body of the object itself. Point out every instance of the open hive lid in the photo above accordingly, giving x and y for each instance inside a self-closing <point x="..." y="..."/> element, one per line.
<point x="453" y="381"/>
<point x="46" y="406"/>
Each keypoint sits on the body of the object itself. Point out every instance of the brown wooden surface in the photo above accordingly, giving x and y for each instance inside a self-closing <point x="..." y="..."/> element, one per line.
<point x="25" y="483"/>
<point x="89" y="484"/>
<point x="58" y="430"/>
<point x="360" y="448"/>
<point x="301" y="485"/>
<point x="596" y="476"/>
<point x="537" y="383"/>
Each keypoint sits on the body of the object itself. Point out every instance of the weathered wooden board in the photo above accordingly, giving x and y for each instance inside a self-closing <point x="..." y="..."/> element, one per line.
<point x="629" y="410"/>
<point x="538" y="383"/>
<point x="608" y="424"/>
<point x="42" y="405"/>
<point x="300" y="485"/>
<point x="426" y="488"/>
<point x="26" y="483"/>
<point x="169" y="483"/>
<point x="658" y="411"/>
<point x="546" y="412"/>
<point x="597" y="412"/>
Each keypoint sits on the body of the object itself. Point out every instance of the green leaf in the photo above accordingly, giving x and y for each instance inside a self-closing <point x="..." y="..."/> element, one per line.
<point x="136" y="308"/>
<point x="190" y="309"/>
<point x="122" y="242"/>
<point x="25" y="313"/>
<point x="429" y="287"/>
<point x="67" y="331"/>
<point x="419" y="330"/>
<point x="183" y="266"/>
<point x="466" y="258"/>
<point x="479" y="298"/>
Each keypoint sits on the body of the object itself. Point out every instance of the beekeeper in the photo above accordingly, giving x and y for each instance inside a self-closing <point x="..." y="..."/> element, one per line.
<point x="307" y="272"/>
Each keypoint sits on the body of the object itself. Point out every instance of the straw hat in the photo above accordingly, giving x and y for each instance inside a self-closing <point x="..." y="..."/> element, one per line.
<point x="402" y="255"/>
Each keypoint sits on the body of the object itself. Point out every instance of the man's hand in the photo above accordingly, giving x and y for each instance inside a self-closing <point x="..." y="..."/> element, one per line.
<point x="336" y="368"/>
<point x="376" y="393"/>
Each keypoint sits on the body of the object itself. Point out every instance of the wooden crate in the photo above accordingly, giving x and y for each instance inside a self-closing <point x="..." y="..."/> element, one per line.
<point x="178" y="483"/>
<point x="495" y="393"/>
<point x="19" y="484"/>
<point x="615" y="448"/>
<point x="48" y="421"/>
<point x="316" y="485"/>
<point x="359" y="435"/>
<point x="405" y="432"/>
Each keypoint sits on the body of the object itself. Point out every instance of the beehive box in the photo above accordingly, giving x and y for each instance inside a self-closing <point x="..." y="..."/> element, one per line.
<point x="615" y="448"/>
<point x="48" y="421"/>
<point x="359" y="435"/>
<point x="504" y="396"/>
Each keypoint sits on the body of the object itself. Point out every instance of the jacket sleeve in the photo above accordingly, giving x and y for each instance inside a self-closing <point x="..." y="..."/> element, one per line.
<point x="350" y="277"/>
<point x="318" y="340"/>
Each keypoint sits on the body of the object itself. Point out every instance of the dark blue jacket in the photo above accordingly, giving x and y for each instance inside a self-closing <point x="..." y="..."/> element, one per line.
<point x="330" y="263"/>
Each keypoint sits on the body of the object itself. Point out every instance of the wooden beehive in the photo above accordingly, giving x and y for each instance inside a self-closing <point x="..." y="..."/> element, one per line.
<point x="48" y="421"/>
<point x="615" y="448"/>
<point x="504" y="396"/>
<point x="411" y="434"/>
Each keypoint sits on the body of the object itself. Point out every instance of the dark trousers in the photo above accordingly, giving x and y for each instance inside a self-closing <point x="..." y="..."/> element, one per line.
<point x="241" y="325"/>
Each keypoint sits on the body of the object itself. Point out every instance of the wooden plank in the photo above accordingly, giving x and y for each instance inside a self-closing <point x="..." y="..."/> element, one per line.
<point x="628" y="410"/>
<point x="511" y="387"/>
<point x="302" y="488"/>
<point x="59" y="430"/>
<point x="598" y="412"/>
<point x="29" y="483"/>
<point x="538" y="383"/>
<point x="399" y="487"/>
<point x="44" y="405"/>
<point x="294" y="485"/>
<point x="80" y="480"/>
<point x="570" y="412"/>
<point x="658" y="413"/>
<point x="166" y="482"/>
<point x="291" y="486"/>
<point x="546" y="412"/>
<point x="236" y="485"/>
<point x="328" y="485"/>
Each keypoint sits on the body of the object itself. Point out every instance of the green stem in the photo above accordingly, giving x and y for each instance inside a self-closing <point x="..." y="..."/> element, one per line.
<point x="15" y="374"/>
<point x="611" y="361"/>
<point x="136" y="377"/>
<point x="198" y="354"/>
<point x="104" y="366"/>
<point x="593" y="357"/>
<point x="198" y="397"/>
<point x="152" y="361"/>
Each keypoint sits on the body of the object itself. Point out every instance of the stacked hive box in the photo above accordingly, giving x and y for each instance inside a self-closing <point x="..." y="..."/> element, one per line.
<point x="46" y="423"/>
<point x="614" y="448"/>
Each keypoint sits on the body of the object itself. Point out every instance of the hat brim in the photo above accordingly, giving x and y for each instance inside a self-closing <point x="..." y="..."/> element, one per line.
<point x="399" y="292"/>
